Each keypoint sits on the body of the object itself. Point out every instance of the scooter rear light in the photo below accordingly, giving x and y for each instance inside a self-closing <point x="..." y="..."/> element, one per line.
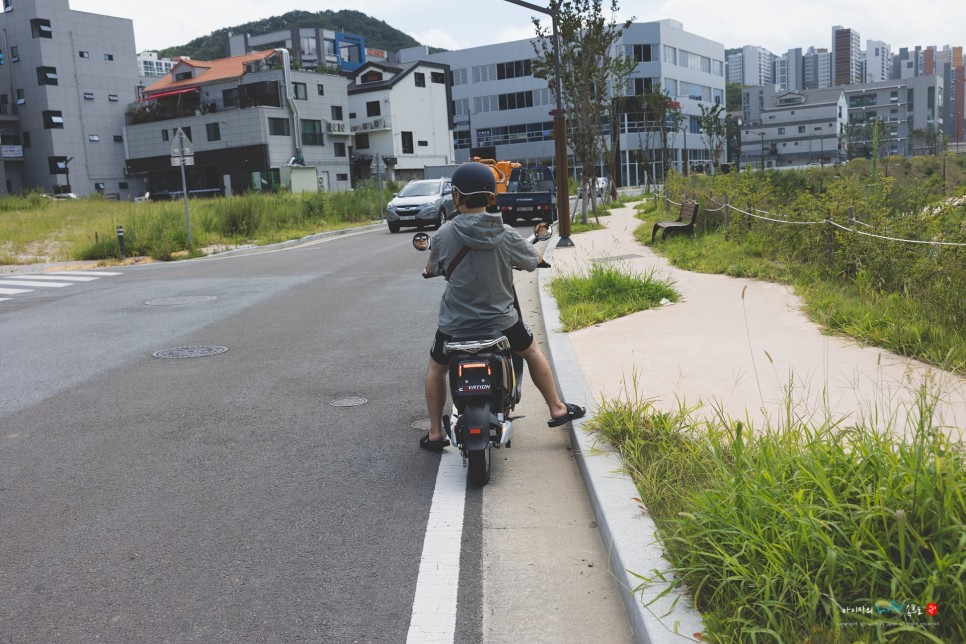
<point x="476" y="431"/>
<point x="476" y="365"/>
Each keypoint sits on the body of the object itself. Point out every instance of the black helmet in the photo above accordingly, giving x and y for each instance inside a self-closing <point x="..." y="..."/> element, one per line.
<point x="473" y="179"/>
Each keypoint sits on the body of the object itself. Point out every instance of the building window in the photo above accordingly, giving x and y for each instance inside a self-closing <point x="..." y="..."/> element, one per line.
<point x="640" y="53"/>
<point x="118" y="138"/>
<point x="84" y="54"/>
<point x="47" y="75"/>
<point x="279" y="127"/>
<point x="122" y="185"/>
<point x="94" y="137"/>
<point x="513" y="69"/>
<point x="781" y="130"/>
<point x="180" y="76"/>
<point x="801" y="129"/>
<point x="99" y="186"/>
<point x="40" y="28"/>
<point x="25" y="137"/>
<point x="53" y="120"/>
<point x="112" y="98"/>
<point x="15" y="54"/>
<point x="8" y="5"/>
<point x="341" y="177"/>
<point x="213" y="131"/>
<point x="230" y="97"/>
<point x="57" y="165"/>
<point x="336" y="112"/>
<point x="321" y="89"/>
<point x="439" y="77"/>
<point x="407" y="143"/>
<point x="422" y="144"/>
<point x="362" y="141"/>
<point x="108" y="57"/>
<point x="312" y="132"/>
<point x="420" y="79"/>
<point x="88" y="96"/>
<point x="300" y="92"/>
<point x="164" y="135"/>
<point x="372" y="108"/>
<point x="339" y="149"/>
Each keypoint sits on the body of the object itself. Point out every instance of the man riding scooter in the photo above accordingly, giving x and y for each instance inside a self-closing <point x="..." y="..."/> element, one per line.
<point x="476" y="254"/>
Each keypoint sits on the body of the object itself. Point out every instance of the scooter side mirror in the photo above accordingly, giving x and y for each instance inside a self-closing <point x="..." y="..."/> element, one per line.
<point x="543" y="231"/>
<point x="421" y="241"/>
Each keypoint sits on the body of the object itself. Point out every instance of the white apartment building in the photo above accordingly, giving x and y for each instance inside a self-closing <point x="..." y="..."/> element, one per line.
<point x="400" y="116"/>
<point x="878" y="61"/>
<point x="502" y="110"/>
<point x="150" y="66"/>
<point x="752" y="66"/>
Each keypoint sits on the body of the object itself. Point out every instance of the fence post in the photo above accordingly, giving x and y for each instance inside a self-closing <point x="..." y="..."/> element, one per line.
<point x="726" y="214"/>
<point x="851" y="212"/>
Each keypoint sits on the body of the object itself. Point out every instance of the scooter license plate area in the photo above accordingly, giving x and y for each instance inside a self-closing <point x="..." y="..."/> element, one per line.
<point x="472" y="378"/>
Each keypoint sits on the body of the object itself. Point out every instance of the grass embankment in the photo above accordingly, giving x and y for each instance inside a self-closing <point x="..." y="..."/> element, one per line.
<point x="36" y="229"/>
<point x="800" y="532"/>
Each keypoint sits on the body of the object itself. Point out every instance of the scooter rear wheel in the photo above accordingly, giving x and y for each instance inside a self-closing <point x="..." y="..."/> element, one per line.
<point x="478" y="464"/>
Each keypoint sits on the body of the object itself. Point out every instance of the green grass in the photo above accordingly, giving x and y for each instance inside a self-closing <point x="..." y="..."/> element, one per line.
<point x="607" y="292"/>
<point x="799" y="533"/>
<point x="36" y="229"/>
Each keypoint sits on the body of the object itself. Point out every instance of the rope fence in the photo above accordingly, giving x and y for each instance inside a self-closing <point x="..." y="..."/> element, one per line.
<point x="728" y="208"/>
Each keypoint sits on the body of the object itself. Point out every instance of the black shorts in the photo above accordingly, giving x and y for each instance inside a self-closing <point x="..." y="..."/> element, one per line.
<point x="519" y="335"/>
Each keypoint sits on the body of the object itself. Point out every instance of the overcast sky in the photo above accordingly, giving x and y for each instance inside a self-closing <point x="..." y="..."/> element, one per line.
<point x="457" y="24"/>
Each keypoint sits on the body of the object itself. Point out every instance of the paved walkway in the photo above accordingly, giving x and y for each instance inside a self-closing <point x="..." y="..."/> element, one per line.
<point x="734" y="346"/>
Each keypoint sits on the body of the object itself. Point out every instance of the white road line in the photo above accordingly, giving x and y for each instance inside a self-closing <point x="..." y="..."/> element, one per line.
<point x="434" y="607"/>
<point x="34" y="283"/>
<point x="68" y="278"/>
<point x="14" y="291"/>
<point x="92" y="273"/>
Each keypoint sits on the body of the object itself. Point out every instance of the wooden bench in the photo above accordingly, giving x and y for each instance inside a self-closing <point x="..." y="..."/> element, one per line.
<point x="683" y="224"/>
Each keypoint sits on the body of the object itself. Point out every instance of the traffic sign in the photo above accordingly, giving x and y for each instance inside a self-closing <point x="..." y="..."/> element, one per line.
<point x="181" y="144"/>
<point x="188" y="160"/>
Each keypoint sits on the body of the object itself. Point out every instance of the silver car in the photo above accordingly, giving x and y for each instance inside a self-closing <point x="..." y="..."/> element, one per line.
<point x="427" y="202"/>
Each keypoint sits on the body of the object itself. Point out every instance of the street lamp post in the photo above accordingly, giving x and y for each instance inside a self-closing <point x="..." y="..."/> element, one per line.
<point x="559" y="130"/>
<point x="762" y="135"/>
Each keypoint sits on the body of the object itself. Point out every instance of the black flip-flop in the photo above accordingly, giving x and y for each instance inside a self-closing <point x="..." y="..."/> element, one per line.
<point x="573" y="413"/>
<point x="433" y="446"/>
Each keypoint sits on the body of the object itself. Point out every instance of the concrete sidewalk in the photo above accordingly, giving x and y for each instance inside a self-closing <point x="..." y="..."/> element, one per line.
<point x="734" y="346"/>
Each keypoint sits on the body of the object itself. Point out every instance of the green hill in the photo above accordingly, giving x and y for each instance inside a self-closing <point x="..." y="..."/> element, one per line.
<point x="376" y="32"/>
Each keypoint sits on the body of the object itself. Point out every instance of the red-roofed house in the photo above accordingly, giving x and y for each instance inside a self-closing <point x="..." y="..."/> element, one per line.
<point x="252" y="124"/>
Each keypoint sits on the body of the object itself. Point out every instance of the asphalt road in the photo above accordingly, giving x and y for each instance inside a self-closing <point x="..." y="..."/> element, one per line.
<point x="268" y="493"/>
<point x="221" y="498"/>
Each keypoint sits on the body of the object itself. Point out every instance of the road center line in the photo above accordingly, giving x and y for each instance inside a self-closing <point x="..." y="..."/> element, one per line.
<point x="434" y="607"/>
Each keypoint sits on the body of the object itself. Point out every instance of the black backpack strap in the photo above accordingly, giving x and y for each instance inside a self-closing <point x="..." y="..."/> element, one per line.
<point x="456" y="260"/>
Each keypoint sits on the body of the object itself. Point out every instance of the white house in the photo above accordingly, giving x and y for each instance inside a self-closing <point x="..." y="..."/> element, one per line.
<point x="401" y="117"/>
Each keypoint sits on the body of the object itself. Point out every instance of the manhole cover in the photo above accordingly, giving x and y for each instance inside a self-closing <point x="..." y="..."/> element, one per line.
<point x="186" y="299"/>
<point x="348" y="402"/>
<point x="189" y="352"/>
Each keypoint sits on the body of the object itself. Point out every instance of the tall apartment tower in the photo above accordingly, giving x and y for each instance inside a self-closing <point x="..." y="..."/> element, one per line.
<point x="846" y="56"/>
<point x="752" y="66"/>
<point x="789" y="70"/>
<point x="67" y="80"/>
<point x="816" y="69"/>
<point x="878" y="61"/>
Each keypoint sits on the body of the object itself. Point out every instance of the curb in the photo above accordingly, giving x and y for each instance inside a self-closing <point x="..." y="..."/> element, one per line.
<point x="629" y="534"/>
